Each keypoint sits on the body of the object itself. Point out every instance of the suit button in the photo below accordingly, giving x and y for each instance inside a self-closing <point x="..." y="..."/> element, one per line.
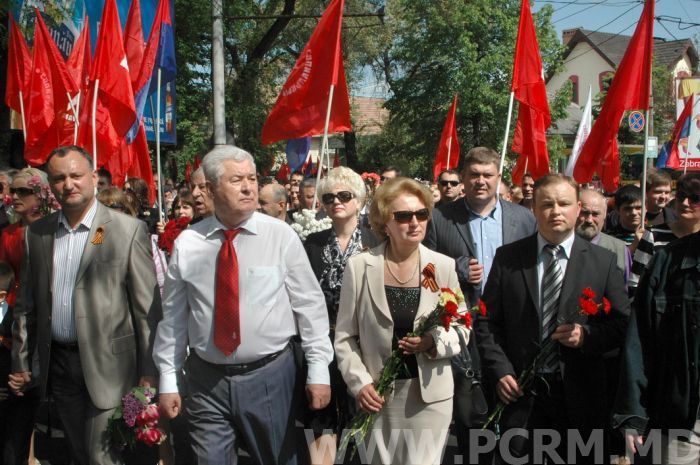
<point x="694" y="327"/>
<point x="692" y="364"/>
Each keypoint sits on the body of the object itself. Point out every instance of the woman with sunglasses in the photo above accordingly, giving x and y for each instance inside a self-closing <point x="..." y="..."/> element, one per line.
<point x="342" y="195"/>
<point x="687" y="209"/>
<point x="386" y="291"/>
<point x="26" y="191"/>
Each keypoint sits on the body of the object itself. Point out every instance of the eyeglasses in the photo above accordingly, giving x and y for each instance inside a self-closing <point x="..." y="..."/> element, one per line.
<point x="450" y="183"/>
<point x="406" y="216"/>
<point x="342" y="196"/>
<point x="692" y="198"/>
<point x="21" y="191"/>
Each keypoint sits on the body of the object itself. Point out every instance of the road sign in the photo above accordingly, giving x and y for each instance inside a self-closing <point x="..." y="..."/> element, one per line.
<point x="652" y="148"/>
<point x="636" y="121"/>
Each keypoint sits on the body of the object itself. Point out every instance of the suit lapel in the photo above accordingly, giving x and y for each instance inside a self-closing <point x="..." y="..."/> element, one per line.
<point x="47" y="240"/>
<point x="428" y="298"/>
<point x="572" y="285"/>
<point x="461" y="222"/>
<point x="91" y="245"/>
<point x="375" y="280"/>
<point x="529" y="267"/>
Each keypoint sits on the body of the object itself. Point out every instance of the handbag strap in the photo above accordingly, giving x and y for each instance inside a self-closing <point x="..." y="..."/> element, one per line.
<point x="463" y="361"/>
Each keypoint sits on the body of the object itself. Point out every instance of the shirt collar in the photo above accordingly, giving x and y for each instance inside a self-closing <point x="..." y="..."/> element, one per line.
<point x="86" y="221"/>
<point x="250" y="225"/>
<point x="566" y="244"/>
<point x="495" y="213"/>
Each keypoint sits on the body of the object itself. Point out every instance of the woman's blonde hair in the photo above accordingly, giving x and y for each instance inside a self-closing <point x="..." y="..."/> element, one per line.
<point x="380" y="211"/>
<point x="28" y="173"/>
<point x="345" y="177"/>
<point x="115" y="196"/>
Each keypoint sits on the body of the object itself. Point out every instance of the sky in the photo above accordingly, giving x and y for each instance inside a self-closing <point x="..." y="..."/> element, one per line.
<point x="621" y="16"/>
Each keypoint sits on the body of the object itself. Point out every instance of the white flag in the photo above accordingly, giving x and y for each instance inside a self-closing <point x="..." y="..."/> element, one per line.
<point x="584" y="129"/>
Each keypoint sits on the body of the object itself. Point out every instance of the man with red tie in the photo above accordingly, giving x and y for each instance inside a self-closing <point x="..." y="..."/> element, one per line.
<point x="238" y="288"/>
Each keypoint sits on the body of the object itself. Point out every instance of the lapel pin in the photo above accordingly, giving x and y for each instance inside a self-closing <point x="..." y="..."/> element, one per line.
<point x="99" y="236"/>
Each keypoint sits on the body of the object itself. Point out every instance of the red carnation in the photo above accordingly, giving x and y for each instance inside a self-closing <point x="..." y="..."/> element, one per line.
<point x="446" y="321"/>
<point x="588" y="307"/>
<point x="452" y="309"/>
<point x="606" y="305"/>
<point x="172" y="229"/>
<point x="588" y="293"/>
<point x="482" y="307"/>
<point x="467" y="320"/>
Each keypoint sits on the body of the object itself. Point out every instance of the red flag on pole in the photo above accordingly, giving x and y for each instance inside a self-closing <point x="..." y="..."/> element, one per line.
<point x="530" y="139"/>
<point x="283" y="173"/>
<point x="110" y="84"/>
<point x="447" y="156"/>
<point x="300" y="109"/>
<point x="674" y="160"/>
<point x="51" y="88"/>
<point x="629" y="90"/>
<point x="134" y="43"/>
<point x="141" y="163"/>
<point x="80" y="59"/>
<point x="19" y="68"/>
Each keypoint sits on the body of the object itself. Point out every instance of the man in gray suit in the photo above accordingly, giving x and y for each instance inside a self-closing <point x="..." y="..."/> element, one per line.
<point x="470" y="231"/>
<point x="88" y="308"/>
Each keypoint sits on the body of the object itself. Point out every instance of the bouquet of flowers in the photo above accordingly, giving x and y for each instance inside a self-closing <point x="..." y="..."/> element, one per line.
<point x="445" y="313"/>
<point x="586" y="306"/>
<point x="47" y="201"/>
<point x="136" y="420"/>
<point x="173" y="228"/>
<point x="305" y="223"/>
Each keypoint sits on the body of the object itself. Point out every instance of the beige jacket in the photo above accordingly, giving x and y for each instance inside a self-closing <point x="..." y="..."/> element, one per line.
<point x="365" y="328"/>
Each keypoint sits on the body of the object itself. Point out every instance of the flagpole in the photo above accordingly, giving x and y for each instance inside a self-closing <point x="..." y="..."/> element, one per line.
<point x="646" y="144"/>
<point x="21" y="110"/>
<point x="687" y="151"/>
<point x="94" y="122"/>
<point x="77" y="123"/>
<point x="505" y="137"/>
<point x="324" y="143"/>
<point x="75" y="116"/>
<point x="449" y="151"/>
<point x="160" y="188"/>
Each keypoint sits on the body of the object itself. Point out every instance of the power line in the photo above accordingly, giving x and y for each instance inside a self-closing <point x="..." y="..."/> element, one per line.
<point x="677" y="21"/>
<point x="666" y="29"/>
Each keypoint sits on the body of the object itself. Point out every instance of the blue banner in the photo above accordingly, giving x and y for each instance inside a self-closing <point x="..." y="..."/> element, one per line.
<point x="66" y="31"/>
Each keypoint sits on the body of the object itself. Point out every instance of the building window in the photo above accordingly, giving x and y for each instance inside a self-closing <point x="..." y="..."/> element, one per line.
<point x="604" y="80"/>
<point x="574" y="89"/>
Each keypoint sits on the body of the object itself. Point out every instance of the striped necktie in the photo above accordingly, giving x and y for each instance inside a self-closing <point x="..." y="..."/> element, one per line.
<point x="551" y="289"/>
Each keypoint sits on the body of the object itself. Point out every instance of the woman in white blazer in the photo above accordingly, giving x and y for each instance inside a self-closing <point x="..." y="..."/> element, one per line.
<point x="382" y="299"/>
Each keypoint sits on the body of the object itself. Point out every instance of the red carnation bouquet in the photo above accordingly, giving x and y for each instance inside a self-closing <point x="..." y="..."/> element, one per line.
<point x="136" y="420"/>
<point x="173" y="228"/>
<point x="445" y="314"/>
<point x="586" y="306"/>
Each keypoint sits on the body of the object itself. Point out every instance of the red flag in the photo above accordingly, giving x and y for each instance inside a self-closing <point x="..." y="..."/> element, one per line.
<point x="302" y="105"/>
<point x="188" y="172"/>
<point x="629" y="90"/>
<point x="115" y="112"/>
<point x="283" y="173"/>
<point x="141" y="162"/>
<point x="19" y="68"/>
<point x="448" y="148"/>
<point x="79" y="64"/>
<point x="49" y="118"/>
<point x="197" y="162"/>
<point x="530" y="139"/>
<point x="134" y="43"/>
<point x="674" y="161"/>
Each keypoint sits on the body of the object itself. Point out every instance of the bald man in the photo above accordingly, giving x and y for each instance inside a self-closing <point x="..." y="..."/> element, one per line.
<point x="273" y="201"/>
<point x="589" y="226"/>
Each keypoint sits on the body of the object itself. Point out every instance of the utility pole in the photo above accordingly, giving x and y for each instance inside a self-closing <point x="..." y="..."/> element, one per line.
<point x="217" y="72"/>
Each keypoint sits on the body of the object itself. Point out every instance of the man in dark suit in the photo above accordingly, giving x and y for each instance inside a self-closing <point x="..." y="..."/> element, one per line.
<point x="87" y="309"/>
<point x="532" y="296"/>
<point x="470" y="231"/>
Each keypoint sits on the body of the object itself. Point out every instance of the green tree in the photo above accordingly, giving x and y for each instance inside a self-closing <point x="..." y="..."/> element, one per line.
<point x="438" y="48"/>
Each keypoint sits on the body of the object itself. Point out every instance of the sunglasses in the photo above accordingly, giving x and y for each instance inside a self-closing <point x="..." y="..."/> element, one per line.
<point x="692" y="198"/>
<point x="406" y="216"/>
<point x="449" y="183"/>
<point x="342" y="196"/>
<point x="21" y="191"/>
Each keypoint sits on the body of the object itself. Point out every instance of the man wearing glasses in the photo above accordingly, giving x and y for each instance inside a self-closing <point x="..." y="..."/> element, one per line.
<point x="450" y="186"/>
<point x="389" y="172"/>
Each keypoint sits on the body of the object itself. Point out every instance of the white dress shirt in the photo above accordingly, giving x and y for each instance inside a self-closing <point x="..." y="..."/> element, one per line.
<point x="279" y="295"/>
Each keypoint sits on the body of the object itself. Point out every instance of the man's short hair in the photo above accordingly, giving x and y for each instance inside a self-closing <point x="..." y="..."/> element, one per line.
<point x="279" y="193"/>
<point x="7" y="277"/>
<point x="452" y="172"/>
<point x="552" y="179"/>
<point x="481" y="156"/>
<point x="213" y="163"/>
<point x="627" y="194"/>
<point x="391" y="168"/>
<point x="265" y="180"/>
<point x="657" y="178"/>
<point x="307" y="182"/>
<point x="63" y="151"/>
<point x="104" y="173"/>
<point x="596" y="193"/>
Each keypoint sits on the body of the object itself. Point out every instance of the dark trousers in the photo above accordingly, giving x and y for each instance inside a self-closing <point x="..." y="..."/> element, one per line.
<point x="16" y="425"/>
<point x="85" y="426"/>
<point x="255" y="408"/>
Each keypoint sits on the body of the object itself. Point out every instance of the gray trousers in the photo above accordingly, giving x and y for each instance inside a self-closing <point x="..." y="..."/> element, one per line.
<point x="254" y="409"/>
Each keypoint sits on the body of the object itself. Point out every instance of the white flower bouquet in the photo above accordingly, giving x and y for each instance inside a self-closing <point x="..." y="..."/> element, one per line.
<point x="305" y="223"/>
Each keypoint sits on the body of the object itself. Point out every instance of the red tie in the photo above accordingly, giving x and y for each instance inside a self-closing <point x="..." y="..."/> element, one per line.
<point x="227" y="334"/>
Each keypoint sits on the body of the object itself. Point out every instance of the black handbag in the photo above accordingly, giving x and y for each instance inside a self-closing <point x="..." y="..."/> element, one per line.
<point x="469" y="403"/>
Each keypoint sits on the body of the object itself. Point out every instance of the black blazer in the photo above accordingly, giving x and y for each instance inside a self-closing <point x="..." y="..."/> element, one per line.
<point x="317" y="241"/>
<point x="508" y="336"/>
<point x="449" y="233"/>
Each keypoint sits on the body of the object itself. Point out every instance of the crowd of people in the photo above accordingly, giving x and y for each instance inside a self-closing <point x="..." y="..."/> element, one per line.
<point x="249" y="329"/>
